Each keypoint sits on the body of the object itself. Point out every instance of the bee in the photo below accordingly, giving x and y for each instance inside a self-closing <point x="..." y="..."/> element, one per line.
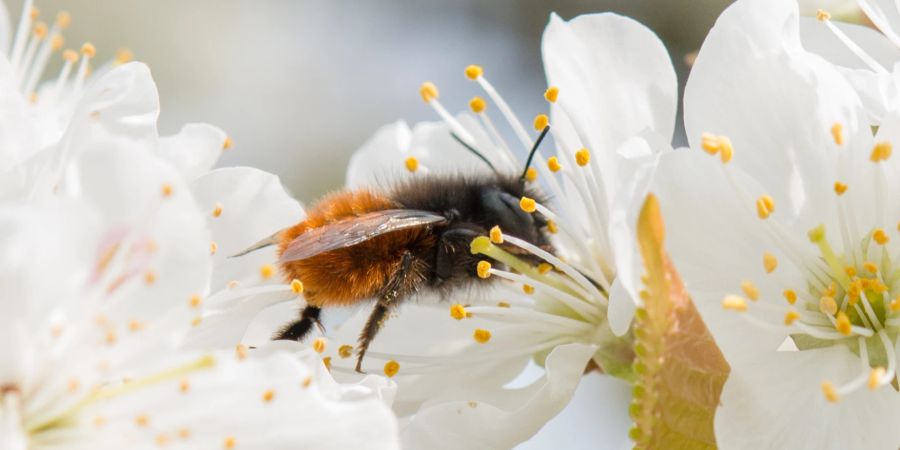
<point x="414" y="237"/>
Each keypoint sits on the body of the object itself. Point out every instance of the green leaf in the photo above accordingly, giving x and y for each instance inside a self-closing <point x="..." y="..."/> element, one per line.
<point x="679" y="369"/>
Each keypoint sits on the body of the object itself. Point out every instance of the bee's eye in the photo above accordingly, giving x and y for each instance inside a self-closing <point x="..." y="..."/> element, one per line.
<point x="504" y="209"/>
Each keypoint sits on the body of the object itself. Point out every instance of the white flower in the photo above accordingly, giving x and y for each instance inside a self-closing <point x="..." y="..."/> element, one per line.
<point x="786" y="236"/>
<point x="612" y="99"/>
<point x="99" y="292"/>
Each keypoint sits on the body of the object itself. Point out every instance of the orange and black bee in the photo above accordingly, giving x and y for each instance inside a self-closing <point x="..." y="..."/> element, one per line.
<point x="365" y="244"/>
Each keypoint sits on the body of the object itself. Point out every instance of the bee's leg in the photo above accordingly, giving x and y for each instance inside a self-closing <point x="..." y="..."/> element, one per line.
<point x="296" y="331"/>
<point x="396" y="288"/>
<point x="450" y="262"/>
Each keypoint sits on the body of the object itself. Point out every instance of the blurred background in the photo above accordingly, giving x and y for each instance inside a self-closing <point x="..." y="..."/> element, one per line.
<point x="299" y="85"/>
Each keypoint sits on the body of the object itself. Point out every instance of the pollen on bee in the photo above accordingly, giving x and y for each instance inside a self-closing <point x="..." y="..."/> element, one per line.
<point x="582" y="157"/>
<point x="880" y="236"/>
<point x="217" y="210"/>
<point x="770" y="262"/>
<point x="822" y="15"/>
<point x="837" y="133"/>
<point x="496" y="235"/>
<point x="483" y="269"/>
<point x="750" y="290"/>
<point x="790" y="317"/>
<point x="881" y="152"/>
<point x="266" y="271"/>
<point x="345" y="351"/>
<point x="297" y="286"/>
<point x="391" y="368"/>
<point x="411" y="163"/>
<point x="88" y="50"/>
<point x="830" y="392"/>
<point x="790" y="296"/>
<point x="528" y="205"/>
<point x="268" y="396"/>
<point x="734" y="303"/>
<point x="428" y="91"/>
<point x="473" y="71"/>
<point x="827" y="305"/>
<point x="551" y="94"/>
<point x="839" y="188"/>
<point x="553" y="164"/>
<point x="477" y="104"/>
<point x="765" y="206"/>
<point x="541" y="121"/>
<point x="319" y="345"/>
<point x="228" y="143"/>
<point x="481" y="336"/>
<point x="458" y="311"/>
<point x="531" y="174"/>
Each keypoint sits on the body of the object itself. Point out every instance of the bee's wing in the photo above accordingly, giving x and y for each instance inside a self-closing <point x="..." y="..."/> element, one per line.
<point x="350" y="232"/>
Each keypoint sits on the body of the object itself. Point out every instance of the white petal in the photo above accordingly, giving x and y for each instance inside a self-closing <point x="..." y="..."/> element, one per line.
<point x="505" y="418"/>
<point x="19" y="137"/>
<point x="615" y="80"/>
<point x="5" y="29"/>
<point x="194" y="150"/>
<point x="885" y="15"/>
<point x="789" y="383"/>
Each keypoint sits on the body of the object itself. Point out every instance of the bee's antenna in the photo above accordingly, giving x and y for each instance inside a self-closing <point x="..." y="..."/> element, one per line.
<point x="534" y="148"/>
<point x="474" y="152"/>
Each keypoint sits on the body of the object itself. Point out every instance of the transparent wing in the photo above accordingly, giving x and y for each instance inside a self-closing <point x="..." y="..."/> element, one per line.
<point x="352" y="231"/>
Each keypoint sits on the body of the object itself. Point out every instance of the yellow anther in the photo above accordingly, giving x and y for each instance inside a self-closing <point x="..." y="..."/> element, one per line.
<point x="765" y="205"/>
<point x="531" y="174"/>
<point x="541" y="121"/>
<point x="149" y="277"/>
<point x="74" y="385"/>
<point x="227" y="143"/>
<point x="496" y="235"/>
<point x="503" y="305"/>
<point x="56" y="42"/>
<point x="895" y="305"/>
<point x="162" y="439"/>
<point x="217" y="210"/>
<point x="318" y="345"/>
<point x="88" y="50"/>
<point x="850" y="271"/>
<point x="297" y="286"/>
<point x="881" y="152"/>
<point x="428" y="91"/>
<point x="484" y="269"/>
<point x="111" y="337"/>
<point x="34" y="13"/>
<point x="544" y="268"/>
<point x="458" y="311"/>
<point x="855" y="289"/>
<point x="582" y="157"/>
<point x="473" y="71"/>
<point x="345" y="351"/>
<point x="875" y="377"/>
<point x="195" y="301"/>
<point x="880" y="236"/>
<point x="790" y="317"/>
<point x="268" y="396"/>
<point x="843" y="324"/>
<point x="713" y="144"/>
<point x="40" y="30"/>
<point x="99" y="421"/>
<point x="184" y="386"/>
<point x="195" y="322"/>
<point x="870" y="267"/>
<point x="528" y="204"/>
<point x="528" y="289"/>
<point x="839" y="188"/>
<point x="391" y="368"/>
<point x="70" y="55"/>
<point x="142" y="420"/>
<point x="307" y="382"/>
<point x="63" y="19"/>
<point x="480" y="244"/>
<point x="551" y="94"/>
<point x="477" y="104"/>
<point x="816" y="234"/>
<point x="326" y="361"/>
<point x="167" y="190"/>
<point x="830" y="392"/>
<point x="823" y="15"/>
<point x="412" y="164"/>
<point x="831" y="291"/>
<point x="124" y="55"/>
<point x="229" y="443"/>
<point x="770" y="262"/>
<point x="553" y="164"/>
<point x="135" y="325"/>
<point x="213" y="247"/>
<point x="184" y="433"/>
<point x="551" y="227"/>
<point x="827" y="305"/>
<point x="266" y="271"/>
<point x="240" y="351"/>
<point x="481" y="336"/>
<point x="837" y="132"/>
<point x="750" y="290"/>
<point x="734" y="303"/>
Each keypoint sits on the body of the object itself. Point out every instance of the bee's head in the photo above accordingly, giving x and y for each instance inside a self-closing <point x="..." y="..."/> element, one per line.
<point x="503" y="206"/>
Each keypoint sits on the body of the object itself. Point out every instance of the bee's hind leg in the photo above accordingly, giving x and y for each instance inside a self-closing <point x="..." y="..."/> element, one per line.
<point x="399" y="286"/>
<point x="297" y="330"/>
